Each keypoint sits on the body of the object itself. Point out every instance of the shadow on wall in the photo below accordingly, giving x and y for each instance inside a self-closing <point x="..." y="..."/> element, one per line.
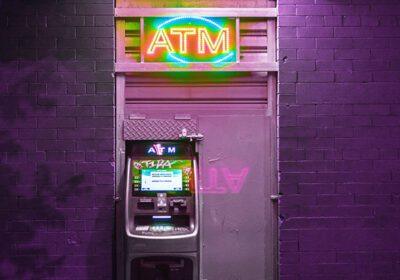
<point x="32" y="225"/>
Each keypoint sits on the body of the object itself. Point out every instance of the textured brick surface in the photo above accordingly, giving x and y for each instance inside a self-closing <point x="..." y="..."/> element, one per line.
<point x="56" y="139"/>
<point x="339" y="139"/>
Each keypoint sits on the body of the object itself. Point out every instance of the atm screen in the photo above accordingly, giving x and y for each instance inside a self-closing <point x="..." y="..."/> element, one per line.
<point x="162" y="175"/>
<point x="161" y="180"/>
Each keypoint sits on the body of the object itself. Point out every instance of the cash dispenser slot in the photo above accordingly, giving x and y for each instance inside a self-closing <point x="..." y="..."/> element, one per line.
<point x="162" y="224"/>
<point x="162" y="268"/>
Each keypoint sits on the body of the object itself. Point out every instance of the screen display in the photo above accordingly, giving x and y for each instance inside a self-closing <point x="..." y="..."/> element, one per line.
<point x="161" y="180"/>
<point x="162" y="175"/>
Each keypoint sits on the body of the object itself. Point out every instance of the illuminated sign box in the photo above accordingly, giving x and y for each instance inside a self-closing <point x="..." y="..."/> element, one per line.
<point x="189" y="39"/>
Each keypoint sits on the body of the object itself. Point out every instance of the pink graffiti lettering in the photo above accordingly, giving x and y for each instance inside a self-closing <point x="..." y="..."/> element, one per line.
<point x="234" y="181"/>
<point x="213" y="183"/>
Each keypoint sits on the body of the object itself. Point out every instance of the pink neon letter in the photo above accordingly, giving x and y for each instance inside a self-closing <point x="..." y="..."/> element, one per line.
<point x="222" y="39"/>
<point x="160" y="40"/>
<point x="183" y="32"/>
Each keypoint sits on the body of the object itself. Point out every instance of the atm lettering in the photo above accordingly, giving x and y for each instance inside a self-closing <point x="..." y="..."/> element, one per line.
<point x="205" y="42"/>
<point x="221" y="41"/>
<point x="183" y="34"/>
<point x="160" y="40"/>
<point x="188" y="39"/>
<point x="171" y="150"/>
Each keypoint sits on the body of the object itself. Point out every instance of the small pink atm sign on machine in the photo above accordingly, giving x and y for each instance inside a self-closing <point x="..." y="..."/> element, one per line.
<point x="190" y="39"/>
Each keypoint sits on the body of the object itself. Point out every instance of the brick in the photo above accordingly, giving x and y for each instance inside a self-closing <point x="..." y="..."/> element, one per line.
<point x="104" y="43"/>
<point x="92" y="54"/>
<point x="370" y="65"/>
<point x="318" y="54"/>
<point x="95" y="9"/>
<point x="333" y="21"/>
<point x="369" y="21"/>
<point x="104" y="65"/>
<point x="353" y="10"/>
<point x="104" y="21"/>
<point x="292" y="21"/>
<point x="314" y="20"/>
<point x="313" y="10"/>
<point x="297" y="43"/>
<point x="371" y="109"/>
<point x="287" y="32"/>
<point x="314" y="32"/>
<point x="287" y="121"/>
<point x="90" y="32"/>
<point x="82" y="133"/>
<point x="334" y="43"/>
<point x="95" y="122"/>
<point x="333" y="110"/>
<point x="89" y="20"/>
<point x="316" y="77"/>
<point x="386" y="76"/>
<point x="388" y="21"/>
<point x="351" y="20"/>
<point x="386" y="10"/>
<point x="81" y="43"/>
<point x="352" y="54"/>
<point x="69" y="111"/>
<point x="57" y="122"/>
<point x="336" y="65"/>
<point x="74" y="20"/>
<point x="95" y="100"/>
<point x="66" y="77"/>
<point x="94" y="77"/>
<point x="341" y="132"/>
<point x="76" y="66"/>
<point x="371" y="43"/>
<point x="348" y="76"/>
<point x="300" y="65"/>
<point x="286" y="2"/>
<point x="56" y="88"/>
<point x="295" y="110"/>
<point x="288" y="88"/>
<point x="104" y="111"/>
<point x="315" y="121"/>
<point x="76" y="88"/>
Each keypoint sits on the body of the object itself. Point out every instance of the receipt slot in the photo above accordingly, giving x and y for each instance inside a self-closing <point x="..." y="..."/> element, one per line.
<point x="162" y="211"/>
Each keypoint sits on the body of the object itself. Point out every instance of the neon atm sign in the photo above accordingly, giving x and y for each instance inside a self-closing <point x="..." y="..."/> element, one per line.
<point x="189" y="39"/>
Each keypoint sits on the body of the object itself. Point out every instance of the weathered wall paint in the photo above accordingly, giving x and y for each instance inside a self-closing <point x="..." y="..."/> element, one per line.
<point x="339" y="117"/>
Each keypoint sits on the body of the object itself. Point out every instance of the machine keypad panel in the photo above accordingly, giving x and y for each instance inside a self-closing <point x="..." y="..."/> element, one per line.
<point x="162" y="189"/>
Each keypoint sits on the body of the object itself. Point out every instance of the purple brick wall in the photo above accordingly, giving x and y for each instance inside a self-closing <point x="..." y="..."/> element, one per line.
<point x="339" y="139"/>
<point x="56" y="139"/>
<point x="339" y="145"/>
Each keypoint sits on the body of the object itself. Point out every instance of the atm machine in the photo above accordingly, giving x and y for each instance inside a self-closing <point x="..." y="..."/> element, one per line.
<point x="162" y="211"/>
